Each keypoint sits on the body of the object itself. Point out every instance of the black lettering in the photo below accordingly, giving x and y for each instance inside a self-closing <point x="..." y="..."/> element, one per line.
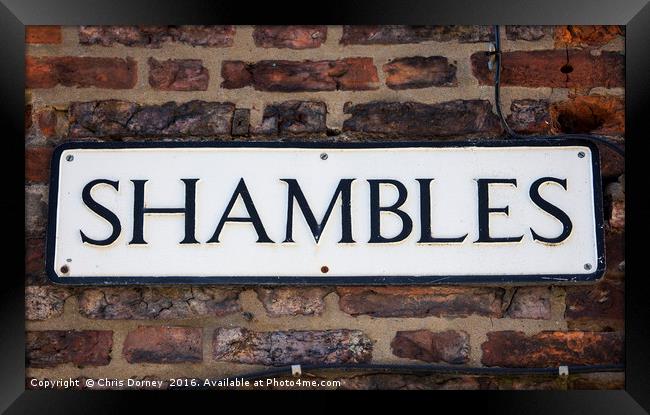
<point x="375" y="211"/>
<point x="551" y="209"/>
<point x="425" y="216"/>
<point x="139" y="211"/>
<point x="484" y="211"/>
<point x="253" y="217"/>
<point x="295" y="193"/>
<point x="102" y="211"/>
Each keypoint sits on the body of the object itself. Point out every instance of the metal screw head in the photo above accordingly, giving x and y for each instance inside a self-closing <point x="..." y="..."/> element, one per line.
<point x="65" y="269"/>
<point x="581" y="154"/>
<point x="324" y="269"/>
<point x="587" y="267"/>
<point x="323" y="156"/>
<point x="69" y="157"/>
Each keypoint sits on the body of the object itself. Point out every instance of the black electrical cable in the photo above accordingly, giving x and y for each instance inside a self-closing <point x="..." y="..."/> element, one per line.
<point x="511" y="134"/>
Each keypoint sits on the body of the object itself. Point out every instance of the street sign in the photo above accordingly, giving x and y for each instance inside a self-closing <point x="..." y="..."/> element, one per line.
<point x="281" y="213"/>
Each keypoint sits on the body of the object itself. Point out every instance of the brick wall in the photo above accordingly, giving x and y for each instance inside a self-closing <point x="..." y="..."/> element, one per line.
<point x="337" y="83"/>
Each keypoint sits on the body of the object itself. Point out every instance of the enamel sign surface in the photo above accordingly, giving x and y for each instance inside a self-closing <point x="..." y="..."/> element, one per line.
<point x="141" y="213"/>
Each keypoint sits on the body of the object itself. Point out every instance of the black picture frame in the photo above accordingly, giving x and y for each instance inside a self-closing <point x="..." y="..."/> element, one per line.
<point x="16" y="14"/>
<point x="244" y="280"/>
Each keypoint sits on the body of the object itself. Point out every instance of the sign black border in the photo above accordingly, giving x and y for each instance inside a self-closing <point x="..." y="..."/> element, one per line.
<point x="338" y="280"/>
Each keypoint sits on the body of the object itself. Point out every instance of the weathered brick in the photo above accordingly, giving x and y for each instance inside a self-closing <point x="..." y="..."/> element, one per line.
<point x="148" y="36"/>
<point x="530" y="116"/>
<point x="37" y="163"/>
<point x="155" y="36"/>
<point x="43" y="302"/>
<point x="28" y="117"/>
<point x="291" y="301"/>
<point x="421" y="301"/>
<point x="398" y="34"/>
<point x="602" y="302"/>
<point x="241" y="121"/>
<point x="131" y="303"/>
<point x="531" y="303"/>
<point x="163" y="344"/>
<point x="207" y="36"/>
<point x="615" y="253"/>
<point x="420" y="72"/>
<point x="178" y="75"/>
<point x="349" y="74"/>
<point x="413" y="119"/>
<point x="82" y="72"/>
<point x="50" y="348"/>
<point x="411" y="382"/>
<point x="597" y="381"/>
<point x="596" y="114"/>
<point x="291" y="347"/>
<point x="43" y="34"/>
<point x="544" y="68"/>
<point x="113" y="118"/>
<point x="292" y="37"/>
<point x="552" y="348"/>
<point x="34" y="256"/>
<point x="611" y="163"/>
<point x="529" y="33"/>
<point x="449" y="346"/>
<point x="615" y="192"/>
<point x="47" y="121"/>
<point x="35" y="209"/>
<point x="293" y="118"/>
<point x="591" y="35"/>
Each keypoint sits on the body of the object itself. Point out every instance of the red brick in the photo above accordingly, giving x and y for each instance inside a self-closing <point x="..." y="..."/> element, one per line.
<point x="163" y="344"/>
<point x="28" y="117"/>
<point x="47" y="121"/>
<point x="615" y="253"/>
<point x="349" y="74"/>
<point x="50" y="348"/>
<point x="414" y="119"/>
<point x="596" y="114"/>
<point x="543" y="68"/>
<point x="155" y="36"/>
<point x="160" y="303"/>
<point x="399" y="34"/>
<point x="592" y="35"/>
<point x="292" y="37"/>
<point x="279" y="348"/>
<point x="552" y="349"/>
<point x="43" y="34"/>
<point x="530" y="116"/>
<point x="611" y="163"/>
<point x="37" y="164"/>
<point x="34" y="256"/>
<point x="420" y="72"/>
<point x="178" y="75"/>
<point x="449" y="346"/>
<point x="291" y="301"/>
<point x="293" y="118"/>
<point x="82" y="72"/>
<point x="421" y="301"/>
<point x="603" y="301"/>
<point x="597" y="381"/>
